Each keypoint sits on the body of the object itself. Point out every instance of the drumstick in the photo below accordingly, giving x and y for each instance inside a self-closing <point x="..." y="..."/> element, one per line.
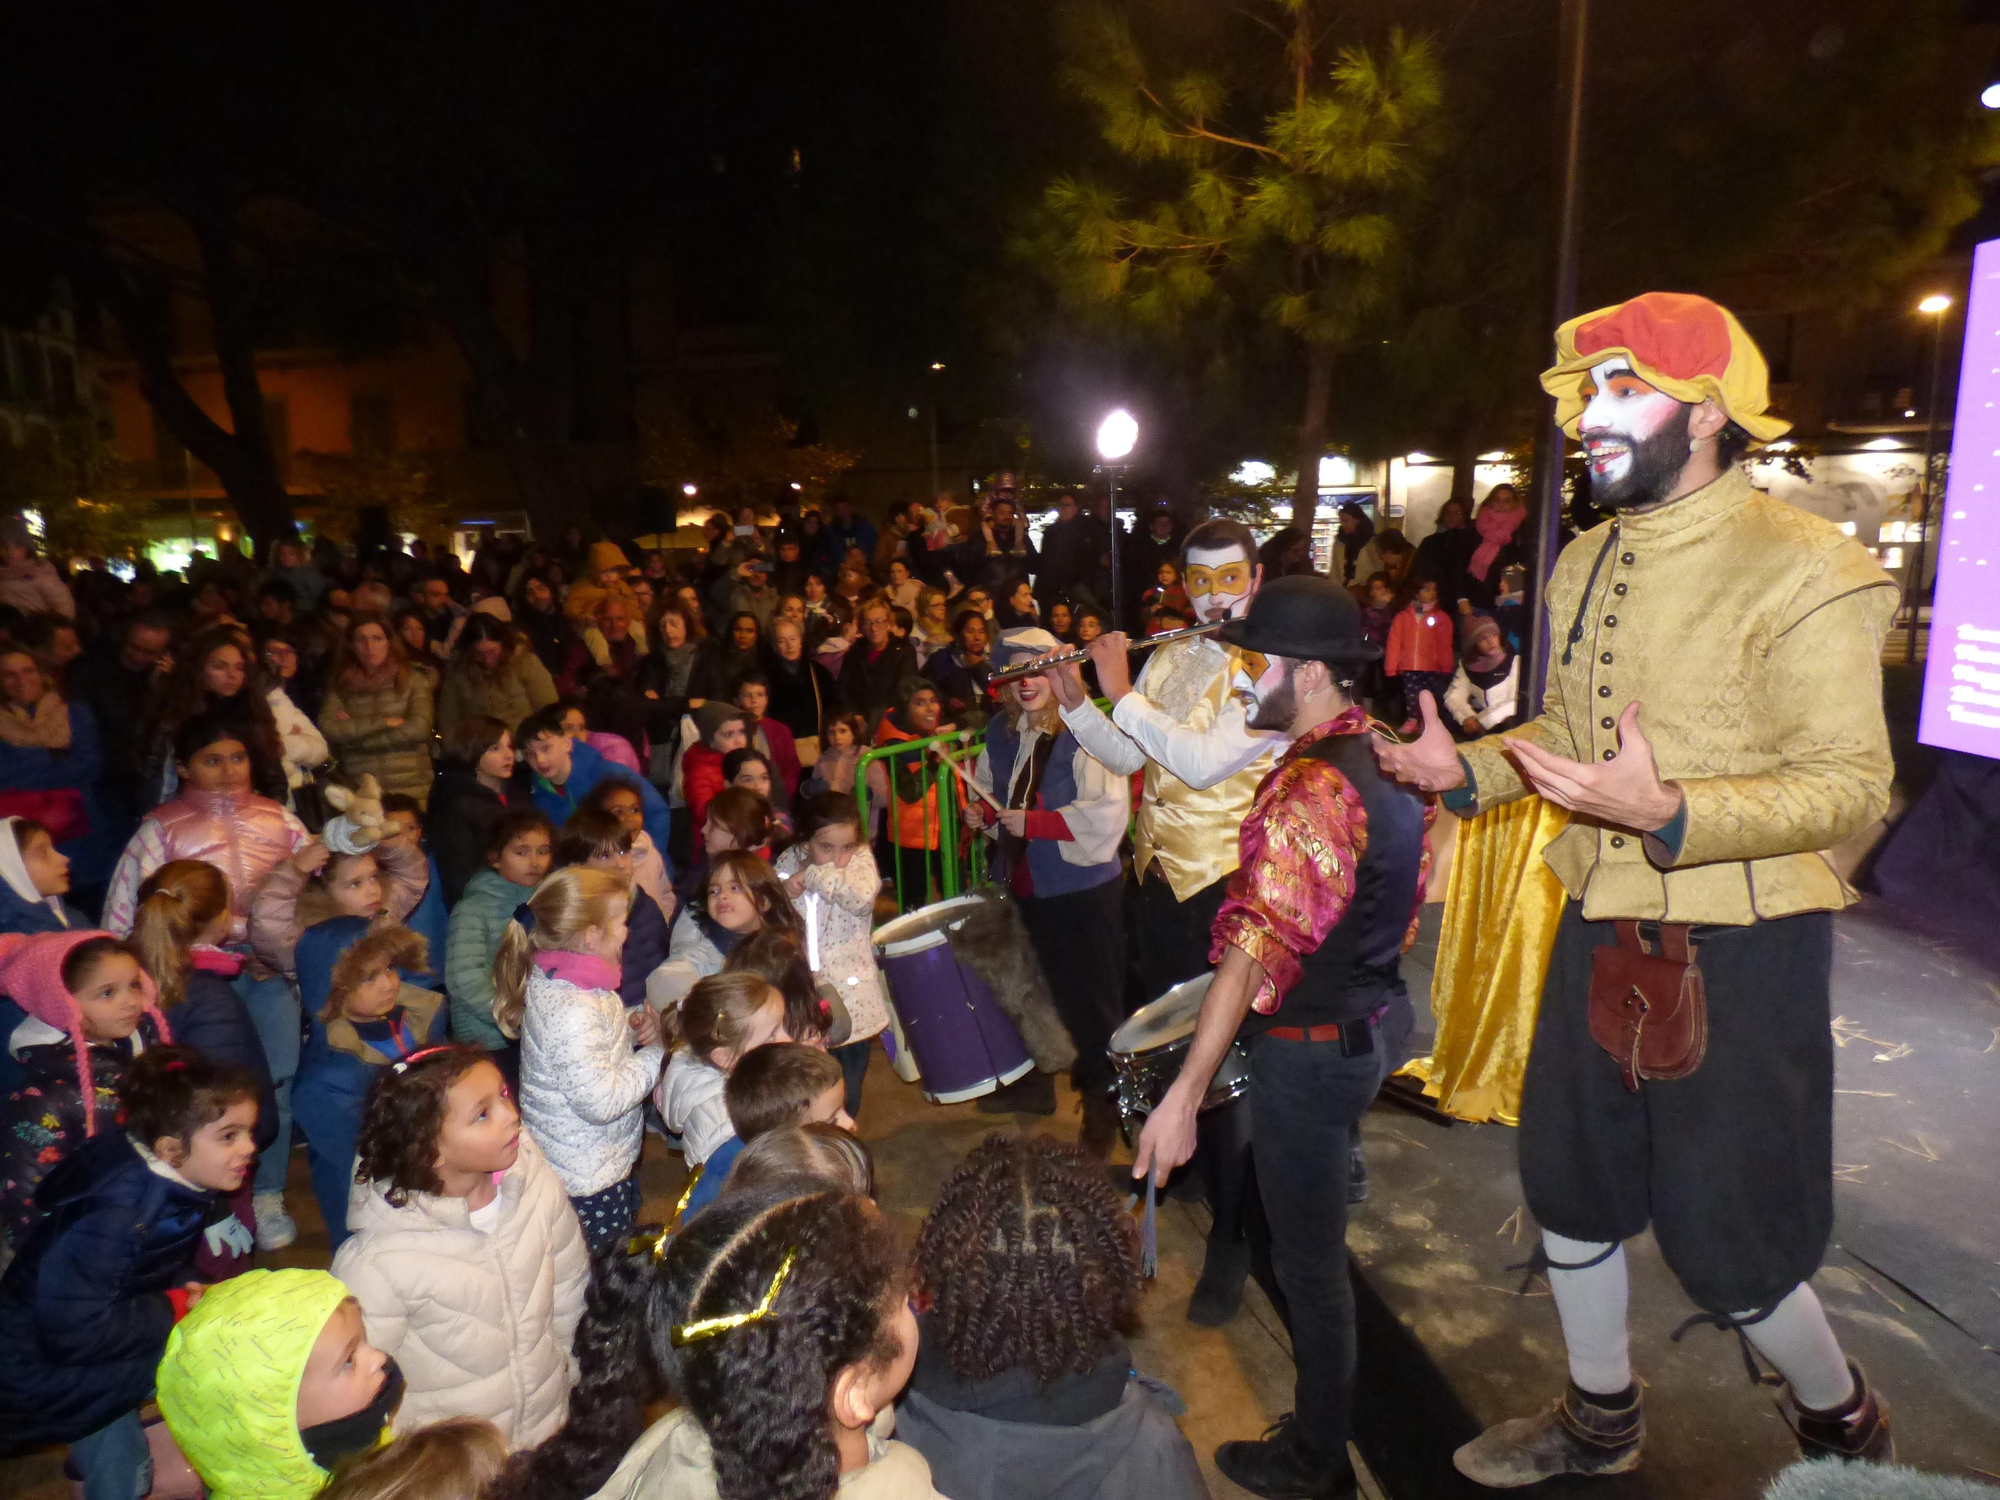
<point x="964" y="776"/>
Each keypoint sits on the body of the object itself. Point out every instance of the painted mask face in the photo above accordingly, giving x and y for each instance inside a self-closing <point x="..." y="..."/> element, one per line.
<point x="1634" y="436"/>
<point x="1271" y="686"/>
<point x="1220" y="582"/>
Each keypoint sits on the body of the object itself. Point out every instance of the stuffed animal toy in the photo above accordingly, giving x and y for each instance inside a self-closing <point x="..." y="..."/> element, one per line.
<point x="361" y="824"/>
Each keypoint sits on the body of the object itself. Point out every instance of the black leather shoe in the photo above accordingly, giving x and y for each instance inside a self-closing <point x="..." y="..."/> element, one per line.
<point x="1279" y="1467"/>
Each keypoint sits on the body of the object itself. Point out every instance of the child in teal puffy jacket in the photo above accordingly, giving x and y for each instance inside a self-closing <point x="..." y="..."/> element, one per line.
<point x="517" y="857"/>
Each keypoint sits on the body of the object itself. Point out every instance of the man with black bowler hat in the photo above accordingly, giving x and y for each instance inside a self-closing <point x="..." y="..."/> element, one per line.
<point x="1307" y="948"/>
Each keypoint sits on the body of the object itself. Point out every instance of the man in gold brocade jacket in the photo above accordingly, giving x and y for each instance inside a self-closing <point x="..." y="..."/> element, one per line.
<point x="1714" y="725"/>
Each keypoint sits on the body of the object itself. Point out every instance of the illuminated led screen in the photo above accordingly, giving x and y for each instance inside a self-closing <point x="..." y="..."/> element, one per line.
<point x="1962" y="674"/>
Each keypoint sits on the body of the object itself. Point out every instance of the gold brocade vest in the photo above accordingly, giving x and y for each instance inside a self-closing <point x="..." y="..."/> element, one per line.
<point x="1192" y="833"/>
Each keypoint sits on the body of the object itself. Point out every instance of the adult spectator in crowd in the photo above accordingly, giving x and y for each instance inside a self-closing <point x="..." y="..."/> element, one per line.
<point x="1288" y="552"/>
<point x="931" y="632"/>
<point x="116" y="678"/>
<point x="1444" y="553"/>
<point x="960" y="674"/>
<point x="538" y="616"/>
<point x="1016" y="609"/>
<point x="277" y="603"/>
<point x="49" y="763"/>
<point x="378" y="711"/>
<point x="407" y="621"/>
<point x="876" y="664"/>
<point x="1354" y="532"/>
<point x="612" y="646"/>
<point x="746" y="590"/>
<point x="1076" y="550"/>
<point x="666" y="674"/>
<point x="1008" y="551"/>
<point x="216" y="673"/>
<point x="801" y="692"/>
<point x="306" y="582"/>
<point x="442" y="616"/>
<point x="29" y="583"/>
<point x="493" y="673"/>
<point x="788" y="572"/>
<point x="726" y="658"/>
<point x="1499" y="545"/>
<point x="819" y="550"/>
<point x="847" y="529"/>
<point x="276" y="647"/>
<point x="1158" y="540"/>
<point x="477" y="782"/>
<point x="54" y="641"/>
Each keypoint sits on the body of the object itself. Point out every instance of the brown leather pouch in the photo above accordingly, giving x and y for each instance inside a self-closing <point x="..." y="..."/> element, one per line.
<point x="1649" y="1010"/>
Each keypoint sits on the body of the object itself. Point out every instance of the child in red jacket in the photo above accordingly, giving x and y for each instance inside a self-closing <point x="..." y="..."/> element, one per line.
<point x="723" y="728"/>
<point x="1421" y="651"/>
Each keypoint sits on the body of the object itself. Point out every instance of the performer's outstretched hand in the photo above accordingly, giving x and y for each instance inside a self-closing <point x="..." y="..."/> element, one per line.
<point x="1167" y="1141"/>
<point x="1429" y="761"/>
<point x="1625" y="790"/>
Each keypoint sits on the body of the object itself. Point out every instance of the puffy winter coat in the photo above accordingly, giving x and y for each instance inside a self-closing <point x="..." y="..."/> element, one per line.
<point x="336" y="1069"/>
<point x="84" y="1315"/>
<point x="472" y="942"/>
<point x="354" y="718"/>
<point x="587" y="767"/>
<point x="480" y="1323"/>
<point x="695" y="951"/>
<point x="229" y="1383"/>
<point x="43" y="1123"/>
<point x="701" y="779"/>
<point x="673" y="1461"/>
<point x="213" y="1020"/>
<point x="241" y="834"/>
<point x="582" y="1084"/>
<point x="509" y="693"/>
<point x="690" y="1101"/>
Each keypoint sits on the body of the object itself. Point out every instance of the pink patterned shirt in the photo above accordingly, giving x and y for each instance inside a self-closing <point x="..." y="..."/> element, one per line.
<point x="1299" y="848"/>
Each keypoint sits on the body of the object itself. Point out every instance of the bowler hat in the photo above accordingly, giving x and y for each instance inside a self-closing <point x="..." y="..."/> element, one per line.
<point x="1303" y="616"/>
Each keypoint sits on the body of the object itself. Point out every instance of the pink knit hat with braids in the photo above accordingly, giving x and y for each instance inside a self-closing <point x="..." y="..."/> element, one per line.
<point x="31" y="974"/>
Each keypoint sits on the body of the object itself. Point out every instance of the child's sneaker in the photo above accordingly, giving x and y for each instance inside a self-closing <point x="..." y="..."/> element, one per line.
<point x="275" y="1228"/>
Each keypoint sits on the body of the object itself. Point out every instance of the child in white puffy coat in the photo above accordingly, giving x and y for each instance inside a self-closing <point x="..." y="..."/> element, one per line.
<point x="586" y="1062"/>
<point x="723" y="1017"/>
<point x="830" y="875"/>
<point x="465" y="1256"/>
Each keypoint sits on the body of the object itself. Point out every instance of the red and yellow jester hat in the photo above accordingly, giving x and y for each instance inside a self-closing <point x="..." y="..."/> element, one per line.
<point x="1689" y="347"/>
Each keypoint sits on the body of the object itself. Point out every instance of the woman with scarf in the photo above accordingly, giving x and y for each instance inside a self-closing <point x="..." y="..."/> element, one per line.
<point x="1356" y="532"/>
<point x="801" y="690"/>
<point x="1498" y="525"/>
<point x="218" y="672"/>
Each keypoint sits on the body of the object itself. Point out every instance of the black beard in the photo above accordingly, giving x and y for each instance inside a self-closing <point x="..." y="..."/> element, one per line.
<point x="1278" y="710"/>
<point x="1656" y="466"/>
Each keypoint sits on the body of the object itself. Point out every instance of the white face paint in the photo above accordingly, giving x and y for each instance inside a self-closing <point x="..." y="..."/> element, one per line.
<point x="1219" y="582"/>
<point x="1622" y="412"/>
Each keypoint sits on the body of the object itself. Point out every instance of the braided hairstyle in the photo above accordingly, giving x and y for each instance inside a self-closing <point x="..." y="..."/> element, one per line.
<point x="762" y="1392"/>
<point x="1030" y="1260"/>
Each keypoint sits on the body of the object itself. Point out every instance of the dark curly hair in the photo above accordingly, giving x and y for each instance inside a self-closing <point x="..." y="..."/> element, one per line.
<point x="174" y="1091"/>
<point x="1030" y="1260"/>
<point x="401" y="1120"/>
<point x="761" y="1391"/>
<point x="617" y="1378"/>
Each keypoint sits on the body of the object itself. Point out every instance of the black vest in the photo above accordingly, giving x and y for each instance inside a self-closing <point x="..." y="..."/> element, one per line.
<point x="1359" y="966"/>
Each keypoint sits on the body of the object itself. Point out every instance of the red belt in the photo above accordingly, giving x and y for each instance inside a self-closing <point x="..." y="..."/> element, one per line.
<point x="1329" y="1033"/>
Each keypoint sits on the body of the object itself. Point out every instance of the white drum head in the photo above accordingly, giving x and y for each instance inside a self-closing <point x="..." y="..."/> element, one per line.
<point x="923" y="928"/>
<point x="1169" y="1019"/>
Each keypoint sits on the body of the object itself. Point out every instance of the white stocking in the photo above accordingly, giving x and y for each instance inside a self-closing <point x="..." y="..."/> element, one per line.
<point x="1800" y="1345"/>
<point x="1591" y="1304"/>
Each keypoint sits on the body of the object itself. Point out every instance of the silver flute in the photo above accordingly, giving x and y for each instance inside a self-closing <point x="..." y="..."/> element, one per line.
<point x="1078" y="653"/>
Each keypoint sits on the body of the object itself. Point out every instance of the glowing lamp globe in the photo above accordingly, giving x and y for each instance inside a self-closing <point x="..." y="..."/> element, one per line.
<point x="1937" y="302"/>
<point x="1117" y="435"/>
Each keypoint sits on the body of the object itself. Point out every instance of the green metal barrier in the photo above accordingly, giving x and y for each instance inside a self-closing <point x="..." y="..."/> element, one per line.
<point x="922" y="876"/>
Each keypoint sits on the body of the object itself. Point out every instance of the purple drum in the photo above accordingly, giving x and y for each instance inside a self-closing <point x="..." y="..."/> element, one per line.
<point x="964" y="1044"/>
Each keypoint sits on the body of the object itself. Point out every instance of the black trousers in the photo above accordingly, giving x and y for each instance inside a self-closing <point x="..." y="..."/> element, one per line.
<point x="1306" y="1102"/>
<point x="1173" y="935"/>
<point x="1080" y="940"/>
<point x="1732" y="1165"/>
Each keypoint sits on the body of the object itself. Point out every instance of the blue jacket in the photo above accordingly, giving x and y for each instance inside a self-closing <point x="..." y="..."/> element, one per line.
<point x="336" y="1066"/>
<point x="213" y="1020"/>
<point x="83" y="1315"/>
<point x="714" y="1173"/>
<point x="30" y="769"/>
<point x="586" y="769"/>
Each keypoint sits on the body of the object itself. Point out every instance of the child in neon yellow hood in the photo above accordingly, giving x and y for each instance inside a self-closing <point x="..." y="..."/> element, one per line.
<point x="270" y="1380"/>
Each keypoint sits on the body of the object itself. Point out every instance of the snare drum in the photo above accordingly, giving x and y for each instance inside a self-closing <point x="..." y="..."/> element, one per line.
<point x="1148" y="1050"/>
<point x="963" y="1042"/>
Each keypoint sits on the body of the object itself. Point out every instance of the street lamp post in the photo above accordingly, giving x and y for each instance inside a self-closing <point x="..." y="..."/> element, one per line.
<point x="937" y="368"/>
<point x="1117" y="436"/>
<point x="1936" y="305"/>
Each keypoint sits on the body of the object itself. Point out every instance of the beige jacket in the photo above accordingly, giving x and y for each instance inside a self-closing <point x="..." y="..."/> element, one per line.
<point x="480" y="1323"/>
<point x="1751" y="633"/>
<point x="672" y="1461"/>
